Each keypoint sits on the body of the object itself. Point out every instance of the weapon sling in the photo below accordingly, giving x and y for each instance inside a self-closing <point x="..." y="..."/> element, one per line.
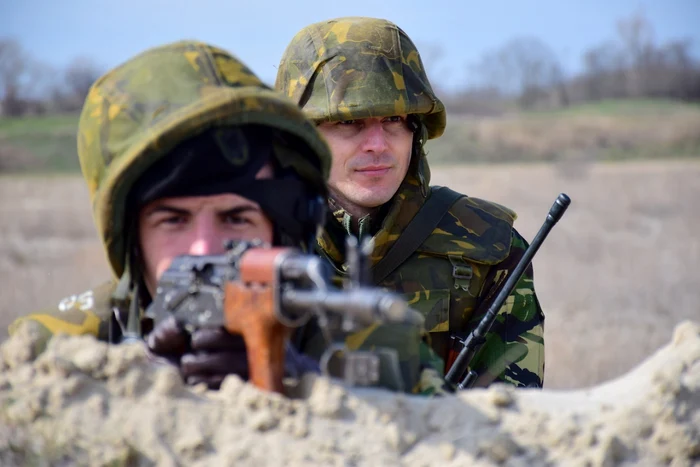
<point x="417" y="231"/>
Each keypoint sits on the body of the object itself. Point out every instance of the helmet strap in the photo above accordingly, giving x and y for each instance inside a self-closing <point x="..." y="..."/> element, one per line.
<point x="418" y="164"/>
<point x="125" y="298"/>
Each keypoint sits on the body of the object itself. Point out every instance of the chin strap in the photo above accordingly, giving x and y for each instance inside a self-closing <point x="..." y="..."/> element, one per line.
<point x="125" y="302"/>
<point x="419" y="164"/>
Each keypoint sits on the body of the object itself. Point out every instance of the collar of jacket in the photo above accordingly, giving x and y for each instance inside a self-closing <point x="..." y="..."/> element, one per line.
<point x="402" y="208"/>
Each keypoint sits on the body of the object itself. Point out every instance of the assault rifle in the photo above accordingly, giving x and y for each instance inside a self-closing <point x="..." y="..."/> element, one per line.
<point x="475" y="339"/>
<point x="263" y="293"/>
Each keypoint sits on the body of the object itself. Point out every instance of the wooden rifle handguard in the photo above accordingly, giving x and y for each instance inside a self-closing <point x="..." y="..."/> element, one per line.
<point x="249" y="310"/>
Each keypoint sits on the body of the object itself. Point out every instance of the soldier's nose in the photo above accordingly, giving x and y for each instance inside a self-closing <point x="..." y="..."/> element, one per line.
<point x="206" y="239"/>
<point x="200" y="247"/>
<point x="375" y="137"/>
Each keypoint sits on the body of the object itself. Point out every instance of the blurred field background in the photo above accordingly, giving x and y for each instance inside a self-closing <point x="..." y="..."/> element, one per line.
<point x="621" y="136"/>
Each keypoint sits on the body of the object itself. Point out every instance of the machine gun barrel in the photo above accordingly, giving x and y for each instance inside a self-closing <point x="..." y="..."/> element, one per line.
<point x="476" y="338"/>
<point x="363" y="306"/>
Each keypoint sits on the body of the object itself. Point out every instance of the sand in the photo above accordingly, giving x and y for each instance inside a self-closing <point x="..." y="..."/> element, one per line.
<point x="82" y="402"/>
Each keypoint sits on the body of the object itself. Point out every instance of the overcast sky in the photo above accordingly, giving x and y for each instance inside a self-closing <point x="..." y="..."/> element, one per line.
<point x="257" y="31"/>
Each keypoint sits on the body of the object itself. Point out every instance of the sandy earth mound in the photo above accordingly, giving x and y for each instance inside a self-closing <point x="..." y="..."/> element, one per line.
<point x="85" y="403"/>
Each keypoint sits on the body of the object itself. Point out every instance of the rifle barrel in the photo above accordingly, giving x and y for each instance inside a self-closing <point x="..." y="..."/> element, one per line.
<point x="475" y="339"/>
<point x="366" y="306"/>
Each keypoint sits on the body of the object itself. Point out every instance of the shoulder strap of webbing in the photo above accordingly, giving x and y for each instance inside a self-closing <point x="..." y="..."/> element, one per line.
<point x="417" y="231"/>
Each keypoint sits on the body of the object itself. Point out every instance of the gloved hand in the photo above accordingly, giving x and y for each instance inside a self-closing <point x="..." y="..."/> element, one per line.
<point x="208" y="355"/>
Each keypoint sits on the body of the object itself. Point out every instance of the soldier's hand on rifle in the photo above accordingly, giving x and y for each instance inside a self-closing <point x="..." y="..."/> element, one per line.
<point x="207" y="355"/>
<point x="214" y="354"/>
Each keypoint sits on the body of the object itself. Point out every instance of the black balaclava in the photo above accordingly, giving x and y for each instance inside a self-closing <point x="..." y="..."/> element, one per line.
<point x="226" y="160"/>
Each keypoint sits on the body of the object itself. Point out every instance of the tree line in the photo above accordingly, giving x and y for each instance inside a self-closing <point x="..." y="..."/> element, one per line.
<point x="524" y="73"/>
<point x="28" y="86"/>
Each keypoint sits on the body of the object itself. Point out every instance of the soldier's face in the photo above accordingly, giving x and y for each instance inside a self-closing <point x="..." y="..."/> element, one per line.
<point x="197" y="225"/>
<point x="370" y="159"/>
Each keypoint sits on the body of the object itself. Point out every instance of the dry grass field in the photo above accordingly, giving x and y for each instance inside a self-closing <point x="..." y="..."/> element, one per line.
<point x="615" y="276"/>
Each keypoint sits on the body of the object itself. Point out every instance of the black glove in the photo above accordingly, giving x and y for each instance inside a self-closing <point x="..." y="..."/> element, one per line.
<point x="208" y="355"/>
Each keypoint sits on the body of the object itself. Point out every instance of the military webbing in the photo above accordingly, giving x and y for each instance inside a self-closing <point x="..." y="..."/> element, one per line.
<point x="417" y="231"/>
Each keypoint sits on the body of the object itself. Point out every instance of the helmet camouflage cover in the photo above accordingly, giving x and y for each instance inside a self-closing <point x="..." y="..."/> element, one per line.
<point x="355" y="67"/>
<point x="145" y="107"/>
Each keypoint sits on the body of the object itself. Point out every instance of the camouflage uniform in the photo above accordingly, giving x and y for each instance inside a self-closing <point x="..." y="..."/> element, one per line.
<point x="138" y="112"/>
<point x="354" y="68"/>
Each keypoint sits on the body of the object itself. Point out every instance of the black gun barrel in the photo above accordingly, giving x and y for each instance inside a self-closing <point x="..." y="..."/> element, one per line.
<point x="475" y="339"/>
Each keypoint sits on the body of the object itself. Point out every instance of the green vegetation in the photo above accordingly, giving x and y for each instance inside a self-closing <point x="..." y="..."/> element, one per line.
<point x="39" y="144"/>
<point x="34" y="125"/>
<point x="608" y="130"/>
<point x="623" y="108"/>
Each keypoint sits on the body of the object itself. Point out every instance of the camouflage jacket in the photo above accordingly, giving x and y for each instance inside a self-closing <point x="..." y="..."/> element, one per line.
<point x="88" y="313"/>
<point x="451" y="278"/>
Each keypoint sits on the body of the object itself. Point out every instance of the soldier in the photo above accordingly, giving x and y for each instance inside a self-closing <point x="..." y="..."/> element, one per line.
<point x="363" y="82"/>
<point x="182" y="147"/>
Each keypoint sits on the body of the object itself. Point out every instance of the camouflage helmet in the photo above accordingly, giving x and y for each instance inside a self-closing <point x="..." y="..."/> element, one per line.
<point x="355" y="67"/>
<point x="143" y="108"/>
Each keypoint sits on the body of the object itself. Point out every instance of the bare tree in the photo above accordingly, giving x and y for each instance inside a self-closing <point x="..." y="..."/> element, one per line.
<point x="432" y="55"/>
<point x="604" y="72"/>
<point x="13" y="66"/>
<point x="684" y="76"/>
<point x="637" y="40"/>
<point x="27" y="85"/>
<point x="24" y="82"/>
<point x="525" y="67"/>
<point x="635" y="66"/>
<point x="81" y="73"/>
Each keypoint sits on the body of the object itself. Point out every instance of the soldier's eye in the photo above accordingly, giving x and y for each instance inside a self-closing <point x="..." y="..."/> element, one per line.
<point x="394" y="119"/>
<point x="236" y="220"/>
<point x="174" y="220"/>
<point x="347" y="122"/>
